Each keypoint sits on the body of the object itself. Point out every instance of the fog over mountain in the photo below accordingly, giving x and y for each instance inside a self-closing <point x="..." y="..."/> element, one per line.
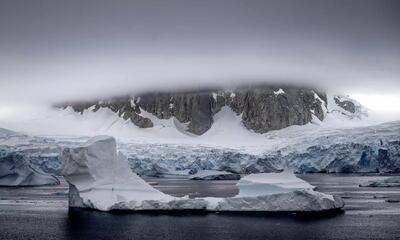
<point x="61" y="50"/>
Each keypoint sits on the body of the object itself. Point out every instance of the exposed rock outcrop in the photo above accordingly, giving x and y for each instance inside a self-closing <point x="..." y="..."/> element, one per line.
<point x="348" y="107"/>
<point x="345" y="104"/>
<point x="262" y="108"/>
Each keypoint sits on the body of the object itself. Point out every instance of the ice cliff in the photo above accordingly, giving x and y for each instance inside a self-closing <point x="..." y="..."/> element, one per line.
<point x="15" y="170"/>
<point x="304" y="149"/>
<point x="100" y="178"/>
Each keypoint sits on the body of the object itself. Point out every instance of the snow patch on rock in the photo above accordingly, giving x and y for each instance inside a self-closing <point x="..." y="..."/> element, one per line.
<point x="279" y="92"/>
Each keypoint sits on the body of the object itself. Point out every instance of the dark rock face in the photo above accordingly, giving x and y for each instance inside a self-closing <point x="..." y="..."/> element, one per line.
<point x="263" y="108"/>
<point x="345" y="104"/>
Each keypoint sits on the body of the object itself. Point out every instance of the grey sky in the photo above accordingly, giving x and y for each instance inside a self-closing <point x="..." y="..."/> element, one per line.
<point x="54" y="50"/>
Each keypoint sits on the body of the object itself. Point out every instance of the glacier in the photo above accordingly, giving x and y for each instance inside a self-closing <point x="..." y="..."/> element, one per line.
<point x="99" y="178"/>
<point x="15" y="170"/>
<point x="303" y="149"/>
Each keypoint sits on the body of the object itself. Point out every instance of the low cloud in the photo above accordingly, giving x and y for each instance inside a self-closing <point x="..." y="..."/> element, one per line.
<point x="63" y="50"/>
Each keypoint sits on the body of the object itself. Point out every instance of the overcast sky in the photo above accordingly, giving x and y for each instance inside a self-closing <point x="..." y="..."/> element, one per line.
<point x="55" y="50"/>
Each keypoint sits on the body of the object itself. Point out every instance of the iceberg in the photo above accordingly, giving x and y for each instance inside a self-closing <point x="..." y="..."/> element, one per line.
<point x="271" y="183"/>
<point x="15" y="170"/>
<point x="100" y="178"/>
<point x="214" y="175"/>
<point x="388" y="182"/>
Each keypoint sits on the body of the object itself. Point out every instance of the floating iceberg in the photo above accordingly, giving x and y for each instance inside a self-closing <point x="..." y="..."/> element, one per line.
<point x="100" y="178"/>
<point x="271" y="183"/>
<point x="388" y="182"/>
<point x="214" y="175"/>
<point x="15" y="170"/>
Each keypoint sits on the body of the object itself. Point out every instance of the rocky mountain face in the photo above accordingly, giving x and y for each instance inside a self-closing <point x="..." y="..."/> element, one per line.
<point x="262" y="108"/>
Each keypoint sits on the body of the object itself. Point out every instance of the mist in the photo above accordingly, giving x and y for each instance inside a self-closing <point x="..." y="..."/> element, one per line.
<point x="54" y="51"/>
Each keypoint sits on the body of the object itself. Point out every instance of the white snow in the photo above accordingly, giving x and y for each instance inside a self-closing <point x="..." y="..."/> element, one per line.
<point x="279" y="92"/>
<point x="271" y="183"/>
<point x="323" y="104"/>
<point x="132" y="102"/>
<point x="214" y="95"/>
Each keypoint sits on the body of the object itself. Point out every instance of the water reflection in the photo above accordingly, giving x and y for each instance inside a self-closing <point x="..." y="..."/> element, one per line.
<point x="193" y="225"/>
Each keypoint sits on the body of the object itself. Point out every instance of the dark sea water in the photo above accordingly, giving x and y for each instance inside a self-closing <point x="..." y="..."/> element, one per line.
<point x="42" y="213"/>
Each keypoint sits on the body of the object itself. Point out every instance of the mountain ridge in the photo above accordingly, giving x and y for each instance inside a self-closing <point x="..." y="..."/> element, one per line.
<point x="261" y="108"/>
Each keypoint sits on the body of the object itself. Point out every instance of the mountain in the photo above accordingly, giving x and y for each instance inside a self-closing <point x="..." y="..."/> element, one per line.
<point x="247" y="130"/>
<point x="260" y="108"/>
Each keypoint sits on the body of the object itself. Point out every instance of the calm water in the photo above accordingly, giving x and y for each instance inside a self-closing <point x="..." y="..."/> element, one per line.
<point x="42" y="213"/>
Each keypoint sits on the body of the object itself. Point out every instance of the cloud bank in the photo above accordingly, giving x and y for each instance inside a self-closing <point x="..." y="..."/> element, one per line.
<point x="61" y="50"/>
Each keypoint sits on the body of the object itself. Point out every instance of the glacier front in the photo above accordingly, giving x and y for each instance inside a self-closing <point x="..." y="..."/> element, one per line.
<point x="15" y="170"/>
<point x="303" y="149"/>
<point x="100" y="178"/>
